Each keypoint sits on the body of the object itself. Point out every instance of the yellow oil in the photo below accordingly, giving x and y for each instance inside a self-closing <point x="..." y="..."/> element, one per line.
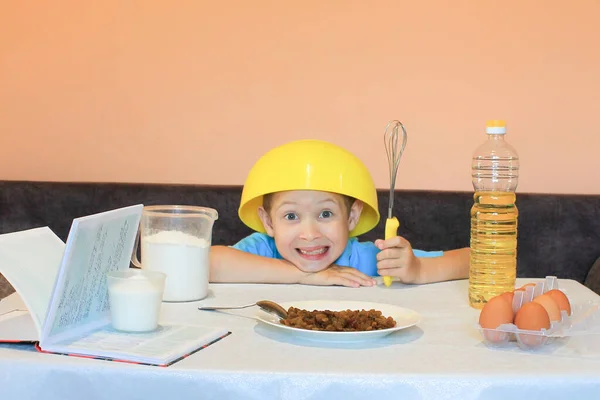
<point x="493" y="265"/>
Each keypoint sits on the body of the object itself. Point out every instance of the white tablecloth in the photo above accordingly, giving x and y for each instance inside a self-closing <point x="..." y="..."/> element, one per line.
<point x="441" y="358"/>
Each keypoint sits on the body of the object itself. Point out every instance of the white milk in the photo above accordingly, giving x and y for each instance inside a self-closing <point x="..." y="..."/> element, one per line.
<point x="134" y="304"/>
<point x="183" y="258"/>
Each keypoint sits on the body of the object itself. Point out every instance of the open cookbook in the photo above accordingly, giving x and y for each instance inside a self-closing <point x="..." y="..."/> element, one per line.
<point x="61" y="302"/>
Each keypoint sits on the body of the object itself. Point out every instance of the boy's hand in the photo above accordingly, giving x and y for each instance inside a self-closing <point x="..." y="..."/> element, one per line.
<point x="342" y="276"/>
<point x="397" y="259"/>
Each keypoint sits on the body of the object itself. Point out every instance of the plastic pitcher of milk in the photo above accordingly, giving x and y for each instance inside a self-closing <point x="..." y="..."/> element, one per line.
<point x="176" y="240"/>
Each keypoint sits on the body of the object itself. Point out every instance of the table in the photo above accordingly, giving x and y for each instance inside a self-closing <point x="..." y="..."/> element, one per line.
<point x="443" y="357"/>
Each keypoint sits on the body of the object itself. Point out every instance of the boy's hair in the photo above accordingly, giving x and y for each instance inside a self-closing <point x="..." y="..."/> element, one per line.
<point x="267" y="198"/>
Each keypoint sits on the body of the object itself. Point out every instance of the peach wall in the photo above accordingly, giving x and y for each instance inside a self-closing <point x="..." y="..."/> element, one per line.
<point x="195" y="91"/>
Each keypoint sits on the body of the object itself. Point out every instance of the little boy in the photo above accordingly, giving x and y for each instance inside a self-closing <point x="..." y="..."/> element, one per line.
<point x="307" y="201"/>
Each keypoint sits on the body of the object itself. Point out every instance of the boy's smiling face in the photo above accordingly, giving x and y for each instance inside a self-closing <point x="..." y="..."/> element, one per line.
<point x="310" y="227"/>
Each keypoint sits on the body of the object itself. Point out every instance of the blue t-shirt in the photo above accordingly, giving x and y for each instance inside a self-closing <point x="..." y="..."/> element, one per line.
<point x="358" y="255"/>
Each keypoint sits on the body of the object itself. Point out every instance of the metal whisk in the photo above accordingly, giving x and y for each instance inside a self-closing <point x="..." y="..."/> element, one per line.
<point x="394" y="153"/>
<point x="394" y="149"/>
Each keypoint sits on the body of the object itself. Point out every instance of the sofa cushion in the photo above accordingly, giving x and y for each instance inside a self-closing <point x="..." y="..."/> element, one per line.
<point x="558" y="234"/>
<point x="592" y="280"/>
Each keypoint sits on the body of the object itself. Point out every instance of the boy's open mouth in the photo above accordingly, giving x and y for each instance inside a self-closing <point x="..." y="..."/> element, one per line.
<point x="313" y="252"/>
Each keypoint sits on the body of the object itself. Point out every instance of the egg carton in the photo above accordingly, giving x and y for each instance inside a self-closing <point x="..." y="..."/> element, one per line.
<point x="584" y="320"/>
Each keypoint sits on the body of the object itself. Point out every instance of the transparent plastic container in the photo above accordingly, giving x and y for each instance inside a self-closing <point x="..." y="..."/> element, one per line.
<point x="584" y="320"/>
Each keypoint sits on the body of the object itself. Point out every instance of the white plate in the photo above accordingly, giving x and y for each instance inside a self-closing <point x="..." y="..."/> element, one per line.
<point x="404" y="318"/>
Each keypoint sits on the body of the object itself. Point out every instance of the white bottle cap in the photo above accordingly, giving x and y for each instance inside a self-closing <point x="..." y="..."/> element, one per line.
<point x="495" y="131"/>
<point x="495" y="127"/>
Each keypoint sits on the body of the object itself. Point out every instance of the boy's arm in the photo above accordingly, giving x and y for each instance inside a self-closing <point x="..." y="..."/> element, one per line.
<point x="235" y="266"/>
<point x="453" y="264"/>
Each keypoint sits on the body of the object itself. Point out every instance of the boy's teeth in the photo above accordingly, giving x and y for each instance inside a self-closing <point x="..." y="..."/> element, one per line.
<point x="313" y="252"/>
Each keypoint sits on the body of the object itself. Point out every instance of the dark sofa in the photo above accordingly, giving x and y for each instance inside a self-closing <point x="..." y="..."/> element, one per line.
<point x="558" y="234"/>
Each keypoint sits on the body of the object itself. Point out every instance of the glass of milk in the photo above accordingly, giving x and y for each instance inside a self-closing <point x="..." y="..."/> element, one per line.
<point x="176" y="241"/>
<point x="135" y="298"/>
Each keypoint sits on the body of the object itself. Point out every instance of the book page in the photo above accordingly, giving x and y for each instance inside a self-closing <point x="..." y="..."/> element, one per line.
<point x="160" y="346"/>
<point x="30" y="260"/>
<point x="96" y="244"/>
<point x="16" y="322"/>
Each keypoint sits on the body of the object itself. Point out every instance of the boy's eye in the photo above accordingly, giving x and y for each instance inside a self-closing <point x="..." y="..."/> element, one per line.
<point x="290" y="216"/>
<point x="326" y="214"/>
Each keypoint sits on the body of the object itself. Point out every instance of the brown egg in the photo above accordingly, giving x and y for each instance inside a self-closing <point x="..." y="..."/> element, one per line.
<point x="561" y="299"/>
<point x="496" y="312"/>
<point x="524" y="287"/>
<point x="532" y="317"/>
<point x="508" y="296"/>
<point x="550" y="305"/>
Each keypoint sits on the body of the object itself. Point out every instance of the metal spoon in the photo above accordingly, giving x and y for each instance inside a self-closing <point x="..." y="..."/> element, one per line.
<point x="266" y="305"/>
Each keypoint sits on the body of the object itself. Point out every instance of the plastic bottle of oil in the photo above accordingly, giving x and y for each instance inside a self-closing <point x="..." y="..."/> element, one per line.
<point x="495" y="173"/>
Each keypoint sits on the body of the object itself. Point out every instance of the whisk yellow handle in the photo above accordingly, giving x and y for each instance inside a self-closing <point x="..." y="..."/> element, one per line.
<point x="391" y="230"/>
